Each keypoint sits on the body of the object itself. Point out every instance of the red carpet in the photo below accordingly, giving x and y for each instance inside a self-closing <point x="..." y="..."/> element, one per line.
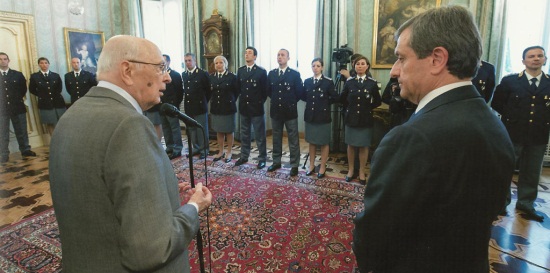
<point x="271" y="222"/>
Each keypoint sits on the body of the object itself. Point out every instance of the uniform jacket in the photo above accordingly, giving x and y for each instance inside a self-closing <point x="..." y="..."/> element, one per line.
<point x="253" y="89"/>
<point x="12" y="91"/>
<point x="485" y="80"/>
<point x="47" y="90"/>
<point x="115" y="194"/>
<point x="78" y="87"/>
<point x="318" y="97"/>
<point x="196" y="92"/>
<point x="525" y="112"/>
<point x="224" y="94"/>
<point x="174" y="90"/>
<point x="436" y="184"/>
<point x="285" y="91"/>
<point x="359" y="99"/>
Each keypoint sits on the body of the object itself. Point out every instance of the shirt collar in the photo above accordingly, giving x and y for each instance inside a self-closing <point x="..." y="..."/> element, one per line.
<point x="439" y="91"/>
<point x="7" y="70"/>
<point x="192" y="70"/>
<point x="529" y="77"/>
<point x="117" y="89"/>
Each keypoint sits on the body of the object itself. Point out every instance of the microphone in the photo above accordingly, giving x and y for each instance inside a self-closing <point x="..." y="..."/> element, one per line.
<point x="173" y="111"/>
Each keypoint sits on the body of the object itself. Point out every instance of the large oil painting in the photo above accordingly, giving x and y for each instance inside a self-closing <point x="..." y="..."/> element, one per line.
<point x="388" y="16"/>
<point x="85" y="45"/>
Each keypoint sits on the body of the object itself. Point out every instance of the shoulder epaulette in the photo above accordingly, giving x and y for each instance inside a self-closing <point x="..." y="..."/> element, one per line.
<point x="371" y="78"/>
<point x="327" y="78"/>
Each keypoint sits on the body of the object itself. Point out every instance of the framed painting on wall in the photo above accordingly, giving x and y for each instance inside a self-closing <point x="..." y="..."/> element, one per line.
<point x="85" y="45"/>
<point x="388" y="16"/>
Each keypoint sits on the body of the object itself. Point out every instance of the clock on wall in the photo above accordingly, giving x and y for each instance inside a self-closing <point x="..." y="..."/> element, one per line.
<point x="215" y="31"/>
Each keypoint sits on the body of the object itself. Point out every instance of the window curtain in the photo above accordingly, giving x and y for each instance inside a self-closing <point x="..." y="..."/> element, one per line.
<point x="491" y="19"/>
<point x="192" y="36"/>
<point x="243" y="32"/>
<point x="330" y="31"/>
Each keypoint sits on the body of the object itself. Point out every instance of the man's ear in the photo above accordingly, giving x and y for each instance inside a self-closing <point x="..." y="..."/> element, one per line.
<point x="440" y="57"/>
<point x="126" y="72"/>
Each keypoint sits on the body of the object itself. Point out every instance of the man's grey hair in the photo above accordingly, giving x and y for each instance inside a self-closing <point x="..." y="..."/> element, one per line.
<point x="112" y="56"/>
<point x="452" y="28"/>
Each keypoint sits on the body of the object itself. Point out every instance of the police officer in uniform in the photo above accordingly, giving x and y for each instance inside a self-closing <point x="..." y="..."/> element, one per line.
<point x="359" y="97"/>
<point x="523" y="100"/>
<point x="196" y="96"/>
<point x="319" y="94"/>
<point x="47" y="86"/>
<point x="484" y="81"/>
<point x="171" y="125"/>
<point x="252" y="83"/>
<point x="223" y="106"/>
<point x="285" y="88"/>
<point x="13" y="87"/>
<point x="78" y="82"/>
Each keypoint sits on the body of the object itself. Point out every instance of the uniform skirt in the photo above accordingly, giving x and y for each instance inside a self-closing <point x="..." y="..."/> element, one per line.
<point x="358" y="136"/>
<point x="51" y="116"/>
<point x="153" y="116"/>
<point x="223" y="123"/>
<point x="318" y="133"/>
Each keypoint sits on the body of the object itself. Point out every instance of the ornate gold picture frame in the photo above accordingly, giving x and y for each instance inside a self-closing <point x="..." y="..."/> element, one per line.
<point x="85" y="45"/>
<point x="388" y="16"/>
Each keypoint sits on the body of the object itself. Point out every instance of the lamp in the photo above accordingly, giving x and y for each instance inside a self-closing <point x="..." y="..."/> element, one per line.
<point x="76" y="7"/>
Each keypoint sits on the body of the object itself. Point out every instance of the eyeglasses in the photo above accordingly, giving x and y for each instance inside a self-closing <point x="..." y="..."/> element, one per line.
<point x="162" y="66"/>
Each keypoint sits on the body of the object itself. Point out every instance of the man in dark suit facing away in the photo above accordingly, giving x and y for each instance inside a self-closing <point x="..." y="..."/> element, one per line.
<point x="171" y="125"/>
<point x="437" y="181"/>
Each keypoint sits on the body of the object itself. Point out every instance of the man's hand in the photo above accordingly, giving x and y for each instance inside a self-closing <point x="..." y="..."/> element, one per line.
<point x="201" y="196"/>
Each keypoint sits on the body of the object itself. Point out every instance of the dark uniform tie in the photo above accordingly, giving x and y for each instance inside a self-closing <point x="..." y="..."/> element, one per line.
<point x="4" y="73"/>
<point x="360" y="80"/>
<point x="315" y="81"/>
<point x="280" y="72"/>
<point x="534" y="83"/>
<point x="45" y="75"/>
<point x="76" y="75"/>
<point x="248" y="69"/>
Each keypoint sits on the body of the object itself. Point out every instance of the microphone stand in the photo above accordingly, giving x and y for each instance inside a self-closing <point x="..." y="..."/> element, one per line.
<point x="192" y="181"/>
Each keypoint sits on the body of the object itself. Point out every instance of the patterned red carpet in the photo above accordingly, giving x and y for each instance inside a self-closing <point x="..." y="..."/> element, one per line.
<point x="271" y="222"/>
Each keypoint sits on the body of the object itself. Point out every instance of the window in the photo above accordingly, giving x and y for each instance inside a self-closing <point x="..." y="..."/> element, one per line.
<point x="525" y="26"/>
<point x="288" y="24"/>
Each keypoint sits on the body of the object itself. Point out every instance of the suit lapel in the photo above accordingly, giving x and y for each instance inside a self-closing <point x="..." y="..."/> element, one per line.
<point x="544" y="83"/>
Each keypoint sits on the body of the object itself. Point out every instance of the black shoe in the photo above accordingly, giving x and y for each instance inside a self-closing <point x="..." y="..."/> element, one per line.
<point x="218" y="158"/>
<point x="275" y="167"/>
<point x="227" y="160"/>
<point x="202" y="156"/>
<point x="321" y="175"/>
<point x="348" y="178"/>
<point x="240" y="162"/>
<point x="168" y="152"/>
<point x="261" y="165"/>
<point x="363" y="182"/>
<point x="174" y="155"/>
<point x="530" y="214"/>
<point x="308" y="173"/>
<point x="28" y="153"/>
<point x="293" y="171"/>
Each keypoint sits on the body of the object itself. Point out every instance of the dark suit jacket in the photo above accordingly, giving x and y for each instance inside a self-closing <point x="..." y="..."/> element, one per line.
<point x="13" y="88"/>
<point x="174" y="90"/>
<point x="224" y="94"/>
<point x="197" y="92"/>
<point x="253" y="89"/>
<point x="524" y="111"/>
<point x="77" y="88"/>
<point x="285" y="91"/>
<point x="47" y="90"/>
<point x="359" y="99"/>
<point x="318" y="97"/>
<point x="484" y="81"/>
<point x="436" y="184"/>
<point x="114" y="191"/>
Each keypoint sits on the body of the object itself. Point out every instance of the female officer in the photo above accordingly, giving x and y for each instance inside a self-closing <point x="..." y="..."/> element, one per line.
<point x="359" y="97"/>
<point x="320" y="93"/>
<point x="223" y="106"/>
